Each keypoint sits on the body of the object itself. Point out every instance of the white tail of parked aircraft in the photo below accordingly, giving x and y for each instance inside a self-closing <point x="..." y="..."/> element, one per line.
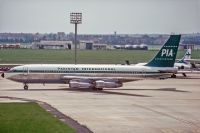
<point x="99" y="76"/>
<point x="187" y="64"/>
<point x="182" y="63"/>
<point x="187" y="54"/>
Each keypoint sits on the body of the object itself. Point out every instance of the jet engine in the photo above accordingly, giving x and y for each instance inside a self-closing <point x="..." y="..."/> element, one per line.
<point x="182" y="67"/>
<point x="80" y="83"/>
<point x="107" y="84"/>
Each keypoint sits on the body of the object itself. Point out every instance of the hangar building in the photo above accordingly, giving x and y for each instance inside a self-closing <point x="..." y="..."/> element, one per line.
<point x="52" y="45"/>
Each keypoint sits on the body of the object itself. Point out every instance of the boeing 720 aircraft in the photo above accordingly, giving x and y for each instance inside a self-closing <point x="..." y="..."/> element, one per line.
<point x="99" y="76"/>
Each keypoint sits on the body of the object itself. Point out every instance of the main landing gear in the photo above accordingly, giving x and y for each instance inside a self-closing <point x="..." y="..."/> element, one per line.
<point x="184" y="75"/>
<point x="173" y="76"/>
<point x="25" y="87"/>
<point x="97" y="89"/>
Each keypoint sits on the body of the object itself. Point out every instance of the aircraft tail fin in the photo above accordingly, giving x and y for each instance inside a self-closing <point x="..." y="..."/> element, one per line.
<point x="187" y="55"/>
<point x="167" y="54"/>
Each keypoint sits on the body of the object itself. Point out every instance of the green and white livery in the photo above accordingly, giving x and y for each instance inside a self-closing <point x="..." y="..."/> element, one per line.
<point x="99" y="76"/>
<point x="167" y="54"/>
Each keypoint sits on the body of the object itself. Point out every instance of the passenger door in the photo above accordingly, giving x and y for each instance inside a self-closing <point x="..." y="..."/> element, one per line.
<point x="25" y="71"/>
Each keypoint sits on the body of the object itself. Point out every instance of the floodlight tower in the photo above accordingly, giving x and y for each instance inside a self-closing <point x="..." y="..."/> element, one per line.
<point x="75" y="18"/>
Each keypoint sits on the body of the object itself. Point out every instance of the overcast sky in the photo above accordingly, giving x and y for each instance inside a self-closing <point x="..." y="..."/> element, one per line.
<point x="101" y="16"/>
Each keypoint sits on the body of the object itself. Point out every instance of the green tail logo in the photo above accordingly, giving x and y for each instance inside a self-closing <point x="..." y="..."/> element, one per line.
<point x="167" y="54"/>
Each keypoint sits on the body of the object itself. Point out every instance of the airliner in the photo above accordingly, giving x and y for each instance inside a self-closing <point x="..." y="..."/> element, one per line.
<point x="195" y="63"/>
<point x="187" y="62"/>
<point x="187" y="65"/>
<point x="182" y="63"/>
<point x="98" y="77"/>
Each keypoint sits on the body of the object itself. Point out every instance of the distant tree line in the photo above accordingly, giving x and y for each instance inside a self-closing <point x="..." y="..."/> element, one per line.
<point x="111" y="39"/>
<point x="192" y="40"/>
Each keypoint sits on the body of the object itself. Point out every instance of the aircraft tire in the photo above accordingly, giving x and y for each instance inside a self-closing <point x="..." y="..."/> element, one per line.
<point x="184" y="74"/>
<point x="99" y="89"/>
<point x="173" y="76"/>
<point x="25" y="87"/>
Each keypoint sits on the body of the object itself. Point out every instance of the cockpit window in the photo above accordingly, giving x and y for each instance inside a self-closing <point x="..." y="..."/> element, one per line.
<point x="14" y="70"/>
<point x="11" y="70"/>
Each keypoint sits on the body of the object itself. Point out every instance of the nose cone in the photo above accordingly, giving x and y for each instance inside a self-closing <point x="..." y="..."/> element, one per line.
<point x="2" y="75"/>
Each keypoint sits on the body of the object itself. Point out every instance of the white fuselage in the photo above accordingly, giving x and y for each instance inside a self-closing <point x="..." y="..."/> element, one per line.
<point x="61" y="73"/>
<point x="176" y="65"/>
<point x="182" y="65"/>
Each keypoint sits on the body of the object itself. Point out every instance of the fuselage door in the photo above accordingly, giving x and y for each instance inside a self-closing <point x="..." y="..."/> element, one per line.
<point x="26" y="71"/>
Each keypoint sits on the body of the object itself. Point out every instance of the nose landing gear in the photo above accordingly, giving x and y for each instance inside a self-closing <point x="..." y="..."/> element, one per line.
<point x="25" y="87"/>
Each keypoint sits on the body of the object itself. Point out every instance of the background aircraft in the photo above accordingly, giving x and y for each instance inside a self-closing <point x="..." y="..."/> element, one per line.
<point x="187" y="65"/>
<point x="182" y="63"/>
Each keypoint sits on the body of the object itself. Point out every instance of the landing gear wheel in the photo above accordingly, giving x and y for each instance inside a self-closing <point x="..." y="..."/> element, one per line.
<point x="184" y="75"/>
<point x="94" y="88"/>
<point x="99" y="89"/>
<point x="25" y="87"/>
<point x="173" y="76"/>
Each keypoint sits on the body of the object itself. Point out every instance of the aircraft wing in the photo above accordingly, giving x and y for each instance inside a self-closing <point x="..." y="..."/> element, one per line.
<point x="191" y="60"/>
<point x="121" y="79"/>
<point x="114" y="78"/>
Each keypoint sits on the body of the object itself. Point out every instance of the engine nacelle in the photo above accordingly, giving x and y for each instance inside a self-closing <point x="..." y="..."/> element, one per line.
<point x="77" y="83"/>
<point x="107" y="84"/>
<point x="181" y="67"/>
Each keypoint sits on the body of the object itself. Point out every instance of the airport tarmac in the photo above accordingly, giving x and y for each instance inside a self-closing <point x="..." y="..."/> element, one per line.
<point x="147" y="106"/>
